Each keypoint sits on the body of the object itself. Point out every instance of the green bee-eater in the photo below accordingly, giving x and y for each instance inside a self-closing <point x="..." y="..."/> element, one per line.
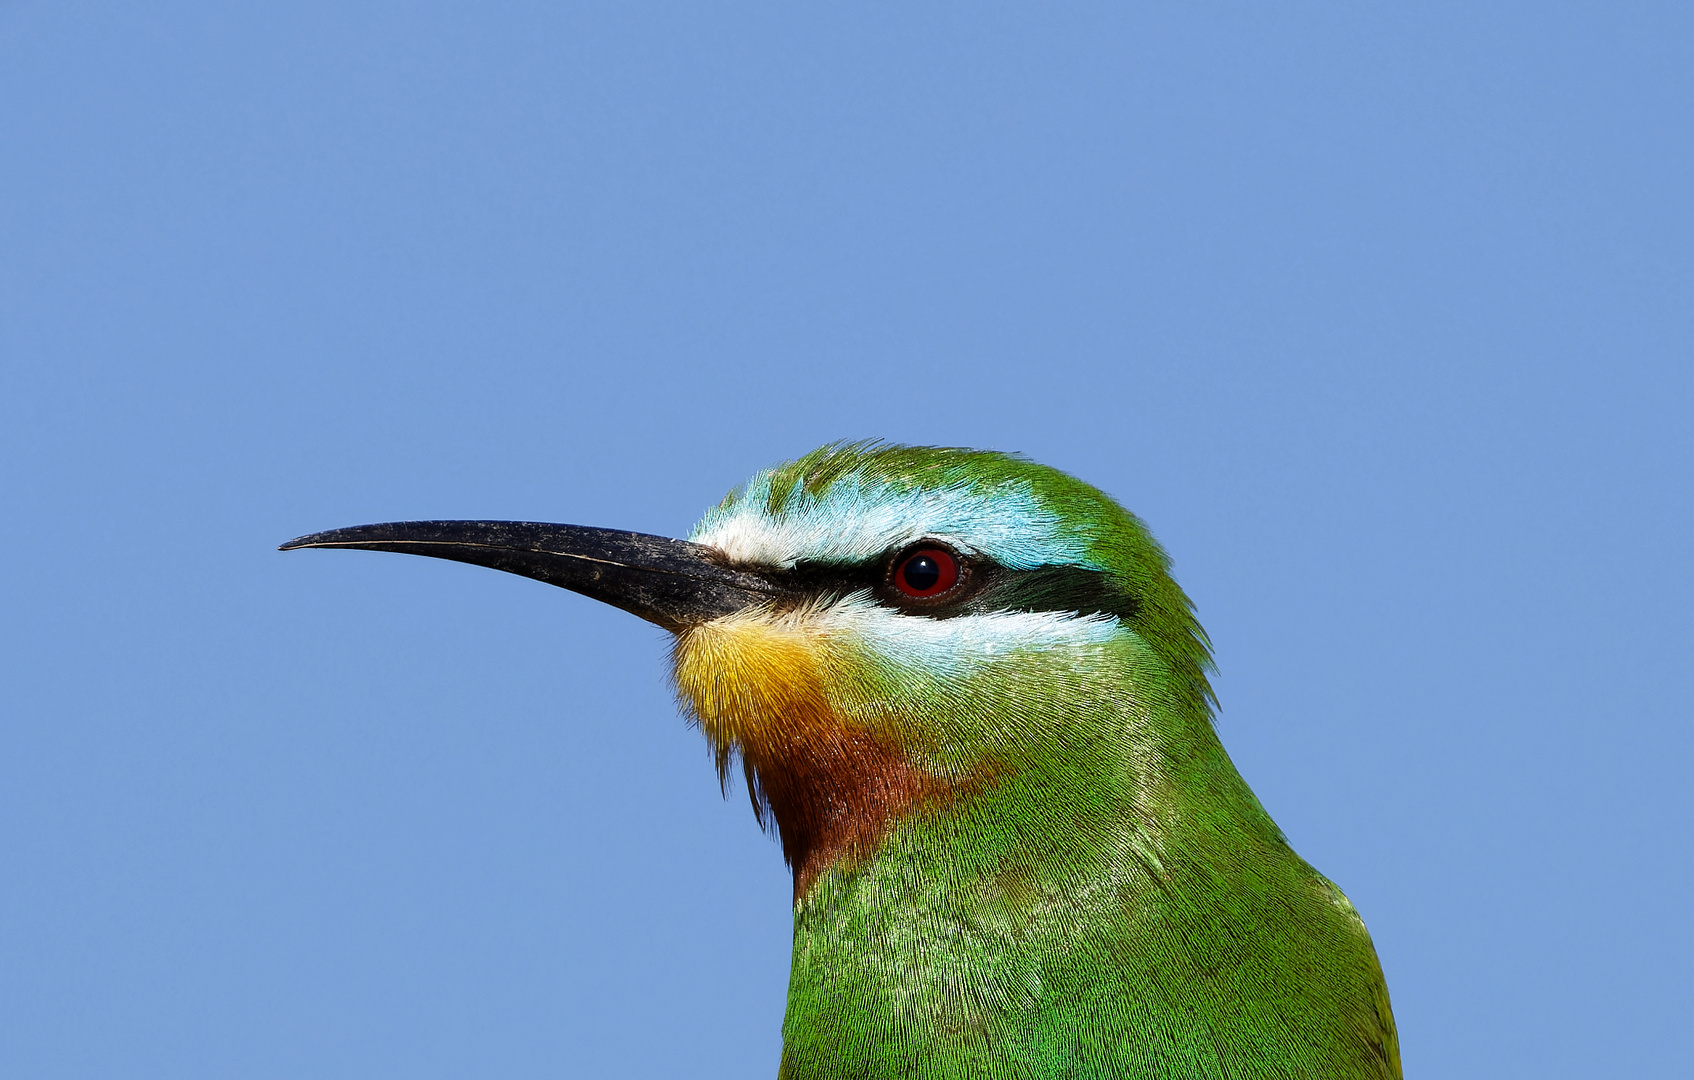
<point x="972" y="702"/>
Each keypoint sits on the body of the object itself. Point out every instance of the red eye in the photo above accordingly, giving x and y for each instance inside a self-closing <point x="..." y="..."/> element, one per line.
<point x="926" y="572"/>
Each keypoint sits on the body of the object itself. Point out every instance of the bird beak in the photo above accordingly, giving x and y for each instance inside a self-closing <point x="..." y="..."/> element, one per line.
<point x="673" y="583"/>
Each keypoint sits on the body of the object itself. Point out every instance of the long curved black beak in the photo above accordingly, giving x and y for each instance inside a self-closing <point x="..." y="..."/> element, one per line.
<point x="670" y="582"/>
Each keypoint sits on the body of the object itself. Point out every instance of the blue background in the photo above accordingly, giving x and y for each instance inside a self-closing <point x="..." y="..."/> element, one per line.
<point x="1379" y="315"/>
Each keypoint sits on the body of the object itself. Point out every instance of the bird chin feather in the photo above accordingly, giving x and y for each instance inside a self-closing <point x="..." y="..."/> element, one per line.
<point x="830" y="788"/>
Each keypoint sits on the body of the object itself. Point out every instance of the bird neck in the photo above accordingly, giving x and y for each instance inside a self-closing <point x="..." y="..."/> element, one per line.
<point x="975" y="912"/>
<point x="1126" y="901"/>
<point x="835" y="798"/>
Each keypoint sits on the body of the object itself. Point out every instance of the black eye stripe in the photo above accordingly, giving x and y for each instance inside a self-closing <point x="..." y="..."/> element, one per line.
<point x="1069" y="589"/>
<point x="992" y="588"/>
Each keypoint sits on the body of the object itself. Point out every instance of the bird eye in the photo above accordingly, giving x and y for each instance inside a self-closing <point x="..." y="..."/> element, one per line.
<point x="925" y="572"/>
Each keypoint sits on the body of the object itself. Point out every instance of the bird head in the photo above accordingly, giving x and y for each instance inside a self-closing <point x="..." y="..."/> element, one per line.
<point x="878" y="631"/>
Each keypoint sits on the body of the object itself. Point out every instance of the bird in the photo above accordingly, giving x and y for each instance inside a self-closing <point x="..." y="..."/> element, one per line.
<point x="973" y="705"/>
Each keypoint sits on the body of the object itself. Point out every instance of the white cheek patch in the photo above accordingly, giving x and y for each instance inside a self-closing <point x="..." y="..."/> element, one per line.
<point x="854" y="520"/>
<point x="944" y="645"/>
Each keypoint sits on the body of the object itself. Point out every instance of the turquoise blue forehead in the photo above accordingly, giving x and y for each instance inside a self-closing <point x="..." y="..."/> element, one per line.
<point x="855" y="519"/>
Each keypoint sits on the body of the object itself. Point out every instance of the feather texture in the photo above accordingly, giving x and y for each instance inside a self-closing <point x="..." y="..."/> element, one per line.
<point x="1019" y="848"/>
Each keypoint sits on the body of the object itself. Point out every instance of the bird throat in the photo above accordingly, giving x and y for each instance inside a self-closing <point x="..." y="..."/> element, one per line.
<point x="831" y="788"/>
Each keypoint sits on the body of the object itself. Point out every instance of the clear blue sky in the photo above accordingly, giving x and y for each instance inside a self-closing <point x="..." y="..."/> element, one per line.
<point x="1382" y="317"/>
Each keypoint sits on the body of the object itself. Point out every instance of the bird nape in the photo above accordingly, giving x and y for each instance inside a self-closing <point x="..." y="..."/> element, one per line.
<point x="971" y="701"/>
